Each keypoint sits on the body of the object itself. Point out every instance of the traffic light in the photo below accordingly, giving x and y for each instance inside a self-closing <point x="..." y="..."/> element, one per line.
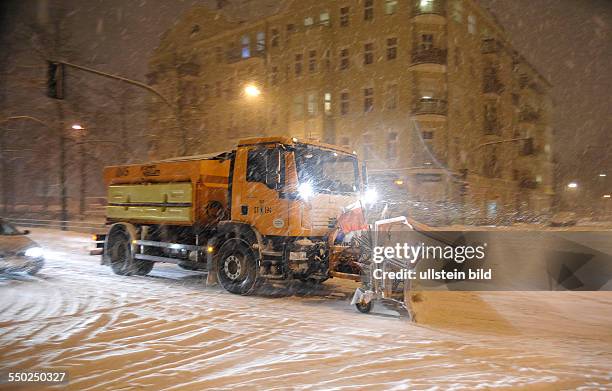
<point x="55" y="80"/>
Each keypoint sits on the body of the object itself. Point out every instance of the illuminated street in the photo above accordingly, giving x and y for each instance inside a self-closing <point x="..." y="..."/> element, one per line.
<point x="167" y="331"/>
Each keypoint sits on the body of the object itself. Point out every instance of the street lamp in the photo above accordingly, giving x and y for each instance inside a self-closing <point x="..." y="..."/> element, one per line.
<point x="603" y="175"/>
<point x="251" y="90"/>
<point x="572" y="185"/>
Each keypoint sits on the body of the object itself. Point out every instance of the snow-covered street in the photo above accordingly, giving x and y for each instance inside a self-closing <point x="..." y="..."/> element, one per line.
<point x="169" y="331"/>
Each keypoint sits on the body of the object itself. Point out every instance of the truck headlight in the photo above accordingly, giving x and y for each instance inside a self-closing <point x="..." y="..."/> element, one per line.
<point x="305" y="190"/>
<point x="34" y="252"/>
<point x="370" y="196"/>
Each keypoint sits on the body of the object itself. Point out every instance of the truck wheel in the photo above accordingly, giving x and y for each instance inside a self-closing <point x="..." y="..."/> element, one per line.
<point x="364" y="308"/>
<point x="236" y="267"/>
<point x="121" y="258"/>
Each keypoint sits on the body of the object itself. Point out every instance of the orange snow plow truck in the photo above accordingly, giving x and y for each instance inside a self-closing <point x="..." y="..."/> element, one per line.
<point x="269" y="209"/>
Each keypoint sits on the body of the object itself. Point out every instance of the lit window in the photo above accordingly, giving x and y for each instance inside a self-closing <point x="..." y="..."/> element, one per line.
<point x="246" y="46"/>
<point x="457" y="12"/>
<point x="324" y="18"/>
<point x="390" y="6"/>
<point x="368" y="10"/>
<point x="368" y="100"/>
<point x="308" y="21"/>
<point x="327" y="103"/>
<point x="344" y="103"/>
<point x="426" y="5"/>
<point x="312" y="103"/>
<point x="261" y="42"/>
<point x="471" y="24"/>
<point x="391" y="48"/>
<point x="344" y="16"/>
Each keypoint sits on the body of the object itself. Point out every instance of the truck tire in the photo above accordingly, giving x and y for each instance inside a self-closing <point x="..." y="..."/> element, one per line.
<point x="121" y="258"/>
<point x="236" y="266"/>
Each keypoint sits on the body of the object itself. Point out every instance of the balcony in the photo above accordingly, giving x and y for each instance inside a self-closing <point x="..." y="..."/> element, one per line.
<point x="429" y="7"/>
<point x="430" y="106"/>
<point x="529" y="115"/>
<point x="429" y="56"/>
<point x="492" y="127"/>
<point x="492" y="85"/>
<point x="490" y="46"/>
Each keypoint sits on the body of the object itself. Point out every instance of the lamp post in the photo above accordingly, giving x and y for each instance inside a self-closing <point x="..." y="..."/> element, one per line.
<point x="79" y="134"/>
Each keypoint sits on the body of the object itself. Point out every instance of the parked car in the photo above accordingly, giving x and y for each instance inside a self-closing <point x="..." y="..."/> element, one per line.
<point x="18" y="253"/>
<point x="563" y="219"/>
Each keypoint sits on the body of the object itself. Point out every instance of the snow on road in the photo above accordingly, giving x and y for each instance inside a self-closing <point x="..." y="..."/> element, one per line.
<point x="169" y="331"/>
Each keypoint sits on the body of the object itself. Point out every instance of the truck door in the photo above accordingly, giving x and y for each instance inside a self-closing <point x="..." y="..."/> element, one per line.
<point x="259" y="178"/>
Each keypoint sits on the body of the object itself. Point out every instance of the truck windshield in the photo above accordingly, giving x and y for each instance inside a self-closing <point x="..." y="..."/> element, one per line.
<point x="327" y="171"/>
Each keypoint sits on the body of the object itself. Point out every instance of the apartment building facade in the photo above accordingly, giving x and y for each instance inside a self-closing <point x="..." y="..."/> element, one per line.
<point x="430" y="93"/>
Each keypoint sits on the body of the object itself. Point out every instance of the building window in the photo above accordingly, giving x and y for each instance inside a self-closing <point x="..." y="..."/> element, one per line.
<point x="327" y="103"/>
<point x="218" y="54"/>
<point x="344" y="16"/>
<point x="344" y="59"/>
<point x="275" y="38"/>
<point x="426" y="42"/>
<point x="426" y="6"/>
<point x="471" y="24"/>
<point x="298" y="65"/>
<point x="392" y="141"/>
<point x="308" y="21"/>
<point x="368" y="10"/>
<point x="312" y="61"/>
<point x="368" y="53"/>
<point x="327" y="59"/>
<point x="427" y="135"/>
<point x="290" y="30"/>
<point x="312" y="104"/>
<point x="274" y="76"/>
<point x="324" y="18"/>
<point x="457" y="12"/>
<point x="368" y="100"/>
<point x="261" y="42"/>
<point x="391" y="97"/>
<point x="391" y="48"/>
<point x="298" y="106"/>
<point x="390" y="6"/>
<point x="246" y="46"/>
<point x="367" y="147"/>
<point x="344" y="103"/>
